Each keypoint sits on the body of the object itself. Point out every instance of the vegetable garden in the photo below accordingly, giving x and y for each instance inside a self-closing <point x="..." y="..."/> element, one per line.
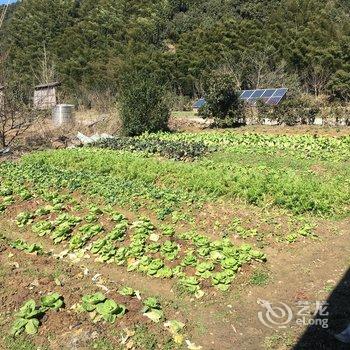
<point x="191" y="212"/>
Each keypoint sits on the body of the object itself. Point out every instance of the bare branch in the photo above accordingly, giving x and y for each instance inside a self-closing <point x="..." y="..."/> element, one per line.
<point x="16" y="116"/>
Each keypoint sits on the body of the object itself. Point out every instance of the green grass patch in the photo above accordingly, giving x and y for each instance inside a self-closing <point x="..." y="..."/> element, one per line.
<point x="259" y="278"/>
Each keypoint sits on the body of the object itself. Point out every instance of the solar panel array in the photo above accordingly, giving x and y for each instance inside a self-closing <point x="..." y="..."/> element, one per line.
<point x="269" y="96"/>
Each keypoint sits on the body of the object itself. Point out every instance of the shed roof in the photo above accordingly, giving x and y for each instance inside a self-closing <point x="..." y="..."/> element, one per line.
<point x="45" y="86"/>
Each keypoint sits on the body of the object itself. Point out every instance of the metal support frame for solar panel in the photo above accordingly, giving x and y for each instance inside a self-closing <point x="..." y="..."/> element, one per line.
<point x="268" y="96"/>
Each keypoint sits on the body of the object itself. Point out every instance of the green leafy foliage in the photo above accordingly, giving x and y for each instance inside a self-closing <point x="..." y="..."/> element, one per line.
<point x="243" y="167"/>
<point x="110" y="310"/>
<point x="119" y="232"/>
<point x="90" y="301"/>
<point x="142" y="102"/>
<point x="154" y="266"/>
<point x="42" y="228"/>
<point x="222" y="102"/>
<point x="169" y="250"/>
<point x="204" y="269"/>
<point x="152" y="309"/>
<point x="105" y="309"/>
<point x="23" y="219"/>
<point x="222" y="280"/>
<point x="28" y="248"/>
<point x="107" y="252"/>
<point x="178" y="150"/>
<point x="190" y="284"/>
<point x="151" y="303"/>
<point x="201" y="36"/>
<point x="27" y="319"/>
<point x="52" y="301"/>
<point x="339" y="85"/>
<point x="189" y="260"/>
<point x="61" y="232"/>
<point x="86" y="232"/>
<point x="25" y="194"/>
<point x="164" y="272"/>
<point x="127" y="291"/>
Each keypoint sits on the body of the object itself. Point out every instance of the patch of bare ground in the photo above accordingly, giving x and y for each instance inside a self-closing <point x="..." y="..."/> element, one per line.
<point x="306" y="270"/>
<point x="27" y="276"/>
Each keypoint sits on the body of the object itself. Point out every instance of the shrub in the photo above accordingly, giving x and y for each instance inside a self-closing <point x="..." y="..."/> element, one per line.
<point x="339" y="86"/>
<point x="142" y="103"/>
<point x="222" y="102"/>
<point x="291" y="111"/>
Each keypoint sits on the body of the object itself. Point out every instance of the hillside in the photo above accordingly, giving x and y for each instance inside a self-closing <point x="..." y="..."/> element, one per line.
<point x="135" y="215"/>
<point x="304" y="44"/>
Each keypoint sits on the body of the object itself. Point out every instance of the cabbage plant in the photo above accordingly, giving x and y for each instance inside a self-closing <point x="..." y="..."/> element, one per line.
<point x="27" y="319"/>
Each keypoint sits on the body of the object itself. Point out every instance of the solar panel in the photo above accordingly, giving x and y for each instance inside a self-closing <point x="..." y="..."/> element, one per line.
<point x="280" y="92"/>
<point x="274" y="101"/>
<point x="257" y="94"/>
<point x="200" y="103"/>
<point x="268" y="96"/>
<point x="268" y="93"/>
<point x="246" y="94"/>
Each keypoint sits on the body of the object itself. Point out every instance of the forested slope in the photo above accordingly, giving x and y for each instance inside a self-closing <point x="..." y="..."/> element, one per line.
<point x="304" y="44"/>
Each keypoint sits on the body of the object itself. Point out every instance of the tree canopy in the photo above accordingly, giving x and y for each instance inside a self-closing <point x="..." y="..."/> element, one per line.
<point x="88" y="42"/>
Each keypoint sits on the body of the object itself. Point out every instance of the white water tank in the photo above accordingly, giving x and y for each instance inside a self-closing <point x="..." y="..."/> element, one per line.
<point x="63" y="114"/>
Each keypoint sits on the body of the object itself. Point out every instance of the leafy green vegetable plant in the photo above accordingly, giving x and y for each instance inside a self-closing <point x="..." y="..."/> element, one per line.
<point x="42" y="228"/>
<point x="190" y="284"/>
<point x="204" y="269"/>
<point x="127" y="291"/>
<point x="52" y="301"/>
<point x="106" y="309"/>
<point x="28" y="248"/>
<point x="27" y="319"/>
<point x="169" y="250"/>
<point x="152" y="309"/>
<point x="23" y="219"/>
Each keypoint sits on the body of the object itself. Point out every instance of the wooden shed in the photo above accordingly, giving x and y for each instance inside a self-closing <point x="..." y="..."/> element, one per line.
<point x="45" y="95"/>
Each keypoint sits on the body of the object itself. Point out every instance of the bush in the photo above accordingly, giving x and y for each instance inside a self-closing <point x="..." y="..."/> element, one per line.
<point x="222" y="100"/>
<point x="142" y="103"/>
<point x="291" y="111"/>
<point x="339" y="86"/>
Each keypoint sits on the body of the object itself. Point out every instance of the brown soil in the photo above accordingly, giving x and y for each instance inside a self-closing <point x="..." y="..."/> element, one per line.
<point x="306" y="270"/>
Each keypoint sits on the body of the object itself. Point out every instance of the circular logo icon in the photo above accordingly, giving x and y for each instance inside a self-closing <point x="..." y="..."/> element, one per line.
<point x="277" y="315"/>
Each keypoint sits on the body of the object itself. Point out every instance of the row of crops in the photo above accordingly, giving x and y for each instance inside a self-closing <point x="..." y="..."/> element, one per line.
<point x="138" y="246"/>
<point x="301" y="146"/>
<point x="125" y="177"/>
<point x="100" y="308"/>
